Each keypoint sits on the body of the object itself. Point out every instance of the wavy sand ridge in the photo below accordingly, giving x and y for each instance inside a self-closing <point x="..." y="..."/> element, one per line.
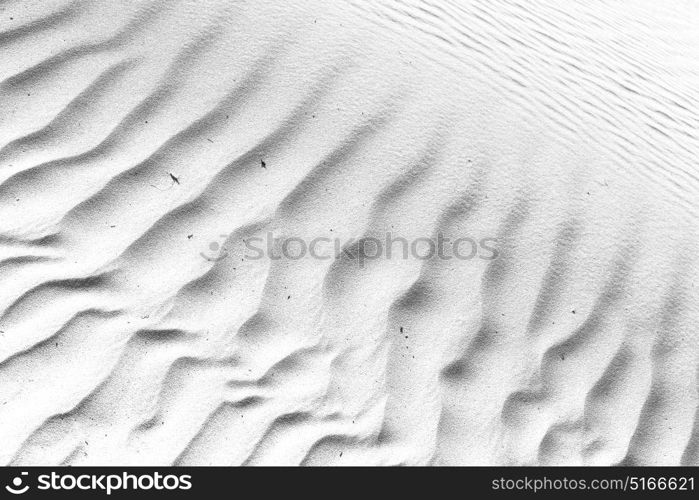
<point x="137" y="136"/>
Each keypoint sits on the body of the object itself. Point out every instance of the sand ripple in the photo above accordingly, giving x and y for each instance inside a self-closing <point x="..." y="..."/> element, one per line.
<point x="137" y="136"/>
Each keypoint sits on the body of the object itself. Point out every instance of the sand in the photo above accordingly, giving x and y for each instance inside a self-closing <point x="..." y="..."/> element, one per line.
<point x="145" y="144"/>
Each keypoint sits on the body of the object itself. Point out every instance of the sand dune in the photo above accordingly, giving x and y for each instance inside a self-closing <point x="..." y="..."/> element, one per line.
<point x="145" y="144"/>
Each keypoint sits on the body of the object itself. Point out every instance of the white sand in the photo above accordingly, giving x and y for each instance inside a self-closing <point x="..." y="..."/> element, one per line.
<point x="568" y="131"/>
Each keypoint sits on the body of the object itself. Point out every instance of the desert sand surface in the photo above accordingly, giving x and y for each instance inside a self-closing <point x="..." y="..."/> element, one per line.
<point x="144" y="144"/>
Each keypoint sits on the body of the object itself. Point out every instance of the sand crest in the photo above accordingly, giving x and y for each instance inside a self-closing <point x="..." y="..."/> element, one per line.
<point x="147" y="148"/>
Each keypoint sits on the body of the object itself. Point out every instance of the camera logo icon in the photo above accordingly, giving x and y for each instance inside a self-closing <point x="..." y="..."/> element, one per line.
<point x="220" y="252"/>
<point x="16" y="487"/>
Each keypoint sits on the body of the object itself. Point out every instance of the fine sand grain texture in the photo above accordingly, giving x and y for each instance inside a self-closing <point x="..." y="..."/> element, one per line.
<point x="144" y="144"/>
